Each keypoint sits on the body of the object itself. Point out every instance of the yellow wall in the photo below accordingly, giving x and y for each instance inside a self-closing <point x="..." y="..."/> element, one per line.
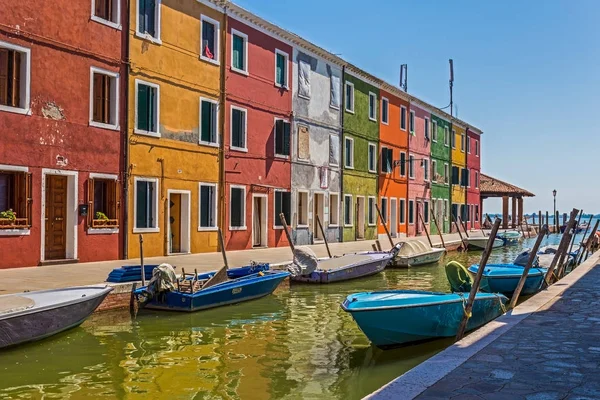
<point x="175" y="66"/>
<point x="459" y="159"/>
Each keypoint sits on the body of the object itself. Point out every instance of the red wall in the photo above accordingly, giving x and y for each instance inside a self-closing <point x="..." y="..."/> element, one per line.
<point x="474" y="165"/>
<point x="258" y="169"/>
<point x="64" y="44"/>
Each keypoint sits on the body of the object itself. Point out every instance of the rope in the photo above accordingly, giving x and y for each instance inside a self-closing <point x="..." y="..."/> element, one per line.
<point x="464" y="301"/>
<point x="502" y="307"/>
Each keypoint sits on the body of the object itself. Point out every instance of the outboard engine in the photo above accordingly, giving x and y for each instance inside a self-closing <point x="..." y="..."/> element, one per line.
<point x="522" y="259"/>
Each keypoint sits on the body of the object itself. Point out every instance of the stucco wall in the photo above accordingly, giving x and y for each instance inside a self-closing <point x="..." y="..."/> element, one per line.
<point x="474" y="165"/>
<point x="419" y="189"/>
<point x="323" y="122"/>
<point x="441" y="153"/>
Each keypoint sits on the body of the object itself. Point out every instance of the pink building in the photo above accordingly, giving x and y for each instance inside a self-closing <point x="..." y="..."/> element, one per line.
<point x="419" y="169"/>
<point x="474" y="168"/>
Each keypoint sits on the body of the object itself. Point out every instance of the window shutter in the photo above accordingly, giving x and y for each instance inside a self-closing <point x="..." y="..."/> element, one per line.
<point x="279" y="136"/>
<point x="142" y="108"/>
<point x="304" y="143"/>
<point x="286" y="138"/>
<point x="91" y="215"/>
<point x="238" y="52"/>
<point x="3" y="76"/>
<point x="97" y="98"/>
<point x="151" y="99"/>
<point x="15" y="85"/>
<point x="117" y="202"/>
<point x="150" y="16"/>
<point x="402" y="163"/>
<point x="106" y="99"/>
<point x="205" y="134"/>
<point x="28" y="197"/>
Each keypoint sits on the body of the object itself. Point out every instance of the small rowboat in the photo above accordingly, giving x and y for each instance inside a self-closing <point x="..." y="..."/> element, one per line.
<point x="480" y="243"/>
<point x="504" y="278"/>
<point x="415" y="253"/>
<point x="398" y="317"/>
<point x="509" y="237"/>
<point x="30" y="316"/>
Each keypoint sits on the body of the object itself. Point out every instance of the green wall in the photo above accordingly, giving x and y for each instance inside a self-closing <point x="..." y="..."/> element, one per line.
<point x="441" y="154"/>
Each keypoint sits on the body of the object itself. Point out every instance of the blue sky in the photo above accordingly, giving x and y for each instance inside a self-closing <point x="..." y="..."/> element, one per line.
<point x="526" y="72"/>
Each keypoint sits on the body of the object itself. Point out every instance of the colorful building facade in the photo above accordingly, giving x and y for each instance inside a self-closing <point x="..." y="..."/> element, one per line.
<point x="474" y="168"/>
<point x="393" y="156"/>
<point x="360" y="148"/>
<point x="419" y="169"/>
<point x="62" y="119"/>
<point x="173" y="128"/>
<point x="257" y="145"/>
<point x="440" y="172"/>
<point x="458" y="174"/>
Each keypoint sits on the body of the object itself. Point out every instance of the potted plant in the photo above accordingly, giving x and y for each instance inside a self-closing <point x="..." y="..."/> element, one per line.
<point x="7" y="218"/>
<point x="101" y="219"/>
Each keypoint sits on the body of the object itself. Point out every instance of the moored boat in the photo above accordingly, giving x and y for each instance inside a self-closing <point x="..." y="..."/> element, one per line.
<point x="504" y="278"/>
<point x="509" y="237"/>
<point x="397" y="317"/>
<point x="480" y="243"/>
<point x="30" y="316"/>
<point x="414" y="253"/>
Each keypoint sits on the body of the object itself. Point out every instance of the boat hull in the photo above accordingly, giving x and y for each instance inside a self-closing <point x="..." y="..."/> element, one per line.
<point x="32" y="325"/>
<point x="232" y="292"/>
<point x="388" y="327"/>
<point x="506" y="283"/>
<point x="418" y="259"/>
<point x="348" y="272"/>
<point x="481" y="243"/>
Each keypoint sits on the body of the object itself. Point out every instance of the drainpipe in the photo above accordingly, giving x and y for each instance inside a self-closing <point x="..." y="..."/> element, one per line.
<point x="222" y="98"/>
<point x="342" y="163"/>
<point x="125" y="180"/>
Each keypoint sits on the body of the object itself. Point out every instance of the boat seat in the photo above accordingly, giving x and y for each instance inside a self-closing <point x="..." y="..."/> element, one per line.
<point x="15" y="303"/>
<point x="190" y="285"/>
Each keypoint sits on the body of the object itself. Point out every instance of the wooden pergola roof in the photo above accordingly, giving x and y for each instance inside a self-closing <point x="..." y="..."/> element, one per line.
<point x="492" y="187"/>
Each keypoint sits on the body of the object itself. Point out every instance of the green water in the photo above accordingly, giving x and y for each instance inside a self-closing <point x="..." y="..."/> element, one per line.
<point x="295" y="344"/>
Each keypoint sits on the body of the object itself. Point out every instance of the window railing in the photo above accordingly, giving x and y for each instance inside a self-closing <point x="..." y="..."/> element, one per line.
<point x="105" y="223"/>
<point x="14" y="223"/>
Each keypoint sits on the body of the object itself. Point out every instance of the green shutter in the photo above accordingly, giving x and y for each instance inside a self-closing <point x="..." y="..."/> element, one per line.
<point x="207" y="122"/>
<point x="237" y="126"/>
<point x="286" y="138"/>
<point x="238" y="53"/>
<point x="141" y="205"/>
<point x="236" y="208"/>
<point x="281" y="68"/>
<point x="142" y="107"/>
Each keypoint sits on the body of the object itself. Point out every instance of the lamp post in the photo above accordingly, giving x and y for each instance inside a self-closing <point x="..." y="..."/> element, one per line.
<point x="554" y="194"/>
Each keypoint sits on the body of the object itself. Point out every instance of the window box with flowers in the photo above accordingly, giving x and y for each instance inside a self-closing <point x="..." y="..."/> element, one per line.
<point x="15" y="202"/>
<point x="103" y="202"/>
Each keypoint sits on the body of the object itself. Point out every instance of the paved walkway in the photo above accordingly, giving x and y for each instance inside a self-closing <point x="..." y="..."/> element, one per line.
<point x="547" y="348"/>
<point x="49" y="277"/>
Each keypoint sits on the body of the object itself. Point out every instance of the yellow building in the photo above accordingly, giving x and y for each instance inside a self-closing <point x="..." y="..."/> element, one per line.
<point x="459" y="166"/>
<point x="173" y="127"/>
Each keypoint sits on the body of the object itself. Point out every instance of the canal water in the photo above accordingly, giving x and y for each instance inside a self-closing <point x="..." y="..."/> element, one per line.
<point x="295" y="344"/>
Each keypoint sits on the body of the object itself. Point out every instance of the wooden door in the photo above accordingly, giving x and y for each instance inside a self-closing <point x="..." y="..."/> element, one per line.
<point x="175" y="222"/>
<point x="56" y="218"/>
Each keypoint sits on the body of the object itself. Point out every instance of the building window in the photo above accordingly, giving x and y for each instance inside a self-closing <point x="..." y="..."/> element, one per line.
<point x="386" y="160"/>
<point x="349" y="153"/>
<point x="349" y="97"/>
<point x="464" y="176"/>
<point x="103" y="202"/>
<point x="385" y="109"/>
<point x="104" y="111"/>
<point x="445" y="209"/>
<point x="15" y="71"/>
<point x="348" y="210"/>
<point x="334" y="150"/>
<point x="403" y="118"/>
<point x="446" y="136"/>
<point x="107" y="12"/>
<point x="283" y="204"/>
<point x="384" y="209"/>
<point x="426" y="212"/>
<point x="372" y="106"/>
<point x="372" y="157"/>
<point x="238" y="128"/>
<point x="239" y="51"/>
<point x="402" y="164"/>
<point x="402" y="212"/>
<point x="209" y="39"/>
<point x="209" y="121"/>
<point x="425" y="169"/>
<point x="334" y="209"/>
<point x="446" y="173"/>
<point x="476" y="180"/>
<point x="455" y="179"/>
<point x="237" y="208"/>
<point x="468" y="145"/>
<point x="282" y="138"/>
<point x="304" y="143"/>
<point x="434" y="132"/>
<point x="435" y="177"/>
<point x="476" y="213"/>
<point x="411" y="212"/>
<point x="281" y="69"/>
<point x="372" y="217"/>
<point x="147" y="108"/>
<point x="427" y="128"/>
<point x="302" y="209"/>
<point x="411" y="166"/>
<point x="207" y="206"/>
<point x="148" y="19"/>
<point x="411" y="122"/>
<point x="303" y="78"/>
<point x="453" y="139"/>
<point x="334" y="101"/>
<point x="468" y="177"/>
<point x="477" y="148"/>
<point x="15" y="200"/>
<point x="462" y="142"/>
<point x="146" y="205"/>
<point x="455" y="212"/>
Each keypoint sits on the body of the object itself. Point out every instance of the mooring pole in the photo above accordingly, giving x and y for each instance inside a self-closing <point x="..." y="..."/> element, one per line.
<point x="589" y="242"/>
<point x="425" y="227"/>
<point x="142" y="260"/>
<point x="222" y="245"/>
<point x="530" y="260"/>
<point x="562" y="247"/>
<point x="438" y="229"/>
<point x="286" y="229"/>
<point x="324" y="237"/>
<point x="384" y="223"/>
<point x="464" y="244"/>
<point x="580" y="255"/>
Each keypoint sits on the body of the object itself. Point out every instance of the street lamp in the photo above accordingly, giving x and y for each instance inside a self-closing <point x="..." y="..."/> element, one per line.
<point x="554" y="194"/>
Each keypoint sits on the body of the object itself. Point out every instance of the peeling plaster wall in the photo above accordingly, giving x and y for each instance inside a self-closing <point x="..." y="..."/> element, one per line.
<point x="323" y="122"/>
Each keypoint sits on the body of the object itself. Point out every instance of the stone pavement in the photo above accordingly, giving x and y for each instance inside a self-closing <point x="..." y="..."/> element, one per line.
<point x="56" y="276"/>
<point x="550" y="352"/>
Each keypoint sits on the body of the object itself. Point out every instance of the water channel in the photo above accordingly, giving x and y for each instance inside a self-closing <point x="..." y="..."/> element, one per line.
<point x="295" y="344"/>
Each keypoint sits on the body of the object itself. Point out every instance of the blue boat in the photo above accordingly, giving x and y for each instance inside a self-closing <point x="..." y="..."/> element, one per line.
<point x="132" y="273"/>
<point x="504" y="278"/>
<point x="509" y="237"/>
<point x="396" y="317"/>
<point x="227" y="292"/>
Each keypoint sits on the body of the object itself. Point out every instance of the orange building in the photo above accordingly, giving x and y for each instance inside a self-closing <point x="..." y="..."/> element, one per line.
<point x="393" y="156"/>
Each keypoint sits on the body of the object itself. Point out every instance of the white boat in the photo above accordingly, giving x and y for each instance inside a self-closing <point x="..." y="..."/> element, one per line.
<point x="479" y="243"/>
<point x="414" y="253"/>
<point x="30" y="316"/>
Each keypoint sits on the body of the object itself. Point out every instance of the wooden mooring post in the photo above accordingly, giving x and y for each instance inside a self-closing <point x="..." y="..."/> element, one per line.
<point x="530" y="260"/>
<point x="540" y="222"/>
<point x="527" y="226"/>
<point x="464" y="244"/>
<point x="463" y="224"/>
<point x="223" y="251"/>
<point x="438" y="228"/>
<point x="548" y="220"/>
<point x="575" y="233"/>
<point x="384" y="223"/>
<point x="142" y="260"/>
<point x="562" y="249"/>
<point x="286" y="230"/>
<point x="557" y="222"/>
<point x="580" y="253"/>
<point x="484" y="259"/>
<point x="425" y="227"/>
<point x="324" y="237"/>
<point x="588" y="244"/>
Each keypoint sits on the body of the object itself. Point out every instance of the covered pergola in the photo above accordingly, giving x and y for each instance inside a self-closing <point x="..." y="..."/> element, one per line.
<point x="492" y="187"/>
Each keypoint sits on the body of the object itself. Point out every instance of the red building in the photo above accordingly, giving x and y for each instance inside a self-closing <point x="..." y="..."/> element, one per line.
<point x="61" y="117"/>
<point x="258" y="112"/>
<point x="474" y="168"/>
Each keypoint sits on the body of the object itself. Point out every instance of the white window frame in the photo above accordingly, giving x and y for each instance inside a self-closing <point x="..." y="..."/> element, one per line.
<point x="275" y="226"/>
<point x="411" y="171"/>
<point x="446" y="136"/>
<point x="446" y="209"/>
<point x="426" y="169"/>
<point x="411" y="123"/>
<point x="433" y="171"/>
<point x="453" y="139"/>
<point x="200" y="141"/>
<point x="351" y="158"/>
<point x="374" y="199"/>
<point x="374" y="110"/>
<point x="156" y="204"/>
<point x="468" y="145"/>
<point x="231" y="146"/>
<point x="374" y="147"/>
<point x="216" y="207"/>
<point x="245" y="37"/>
<point x="426" y="214"/>
<point x="462" y="142"/>
<point x="135" y="128"/>
<point x="329" y="144"/>
<point x="400" y="166"/>
<point x="275" y="141"/>
<point x="298" y="193"/>
<point x="476" y="180"/>
<point x="408" y="213"/>
<point x="468" y="177"/>
<point x="385" y="105"/>
<point x="217" y="24"/>
<point x="434" y="127"/>
<point x="114" y="99"/>
<point x="115" y="25"/>
<point x="426" y="128"/>
<point x="476" y="148"/>
<point x="402" y="216"/>
<point x="157" y="18"/>
<point x="337" y="197"/>
<point x="351" y="224"/>
<point x="25" y="88"/>
<point x="387" y="211"/>
<point x="287" y="69"/>
<point x="446" y="174"/>
<point x="236" y="228"/>
<point x="403" y="121"/>
<point x="351" y="85"/>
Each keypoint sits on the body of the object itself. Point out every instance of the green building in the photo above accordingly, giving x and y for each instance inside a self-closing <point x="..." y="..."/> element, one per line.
<point x="441" y="168"/>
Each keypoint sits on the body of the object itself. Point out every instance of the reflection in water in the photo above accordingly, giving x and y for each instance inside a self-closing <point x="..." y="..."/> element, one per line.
<point x="295" y="344"/>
